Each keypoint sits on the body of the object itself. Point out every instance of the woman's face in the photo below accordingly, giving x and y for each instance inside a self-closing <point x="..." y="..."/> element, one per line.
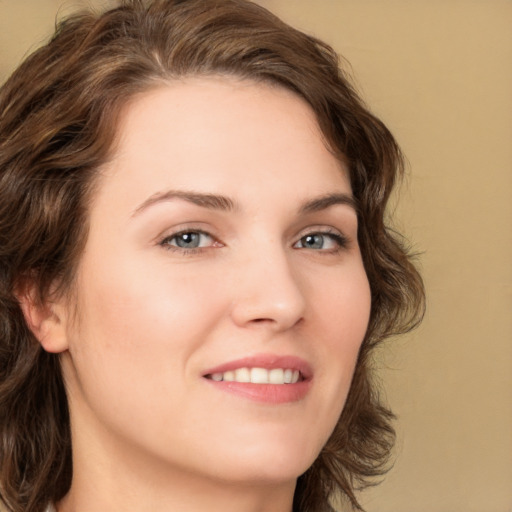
<point x="222" y="245"/>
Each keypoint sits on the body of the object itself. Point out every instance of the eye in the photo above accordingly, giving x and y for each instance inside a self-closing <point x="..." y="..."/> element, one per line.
<point x="188" y="240"/>
<point x="322" y="241"/>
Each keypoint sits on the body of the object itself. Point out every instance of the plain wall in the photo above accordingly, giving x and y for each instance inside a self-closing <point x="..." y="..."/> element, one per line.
<point x="439" y="73"/>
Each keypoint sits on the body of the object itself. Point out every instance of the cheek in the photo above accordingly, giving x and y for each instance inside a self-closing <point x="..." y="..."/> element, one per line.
<point x="133" y="350"/>
<point x="140" y="325"/>
<point x="139" y="302"/>
<point x="342" y="309"/>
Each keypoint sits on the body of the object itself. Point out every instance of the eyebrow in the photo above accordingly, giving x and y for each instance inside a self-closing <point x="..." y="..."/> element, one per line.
<point x="223" y="203"/>
<point x="210" y="201"/>
<point x="328" y="200"/>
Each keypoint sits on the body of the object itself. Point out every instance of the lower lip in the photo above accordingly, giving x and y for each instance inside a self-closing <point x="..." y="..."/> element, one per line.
<point x="265" y="393"/>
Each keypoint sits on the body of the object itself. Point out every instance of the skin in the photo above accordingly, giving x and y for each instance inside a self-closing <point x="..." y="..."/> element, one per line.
<point x="147" y="319"/>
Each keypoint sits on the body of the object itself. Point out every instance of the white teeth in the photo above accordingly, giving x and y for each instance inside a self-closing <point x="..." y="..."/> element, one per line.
<point x="259" y="376"/>
<point x="228" y="376"/>
<point x="243" y="375"/>
<point x="276" y="376"/>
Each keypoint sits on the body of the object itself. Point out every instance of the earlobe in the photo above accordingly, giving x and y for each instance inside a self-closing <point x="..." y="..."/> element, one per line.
<point x="47" y="320"/>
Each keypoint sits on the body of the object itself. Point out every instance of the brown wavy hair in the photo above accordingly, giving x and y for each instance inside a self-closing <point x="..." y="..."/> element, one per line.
<point x="58" y="118"/>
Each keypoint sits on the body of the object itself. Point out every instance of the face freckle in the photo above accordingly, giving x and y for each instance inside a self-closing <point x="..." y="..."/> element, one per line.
<point x="210" y="250"/>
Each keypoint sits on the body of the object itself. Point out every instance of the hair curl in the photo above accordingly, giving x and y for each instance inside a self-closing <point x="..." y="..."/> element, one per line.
<point x="58" y="118"/>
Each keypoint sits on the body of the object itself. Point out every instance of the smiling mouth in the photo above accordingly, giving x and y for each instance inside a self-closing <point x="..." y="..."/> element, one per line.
<point x="258" y="376"/>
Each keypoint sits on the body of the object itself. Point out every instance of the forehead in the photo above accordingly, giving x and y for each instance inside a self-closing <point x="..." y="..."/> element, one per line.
<point x="222" y="135"/>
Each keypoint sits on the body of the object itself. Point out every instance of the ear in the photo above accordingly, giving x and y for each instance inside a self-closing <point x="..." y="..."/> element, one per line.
<point x="47" y="321"/>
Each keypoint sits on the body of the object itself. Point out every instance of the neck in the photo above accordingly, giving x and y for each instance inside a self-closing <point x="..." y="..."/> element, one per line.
<point x="181" y="493"/>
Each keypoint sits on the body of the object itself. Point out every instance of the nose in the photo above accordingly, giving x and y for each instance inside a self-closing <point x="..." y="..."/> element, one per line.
<point x="268" y="293"/>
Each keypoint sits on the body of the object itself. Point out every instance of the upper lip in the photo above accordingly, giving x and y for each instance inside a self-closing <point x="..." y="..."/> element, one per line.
<point x="267" y="361"/>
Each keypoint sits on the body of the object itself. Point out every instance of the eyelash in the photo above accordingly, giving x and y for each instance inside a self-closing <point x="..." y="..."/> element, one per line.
<point x="165" y="242"/>
<point x="341" y="242"/>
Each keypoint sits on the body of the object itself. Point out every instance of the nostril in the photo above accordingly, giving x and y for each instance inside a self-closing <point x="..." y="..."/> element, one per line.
<point x="271" y="322"/>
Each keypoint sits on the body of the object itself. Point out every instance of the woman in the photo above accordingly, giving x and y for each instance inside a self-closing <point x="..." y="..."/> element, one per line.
<point x="194" y="265"/>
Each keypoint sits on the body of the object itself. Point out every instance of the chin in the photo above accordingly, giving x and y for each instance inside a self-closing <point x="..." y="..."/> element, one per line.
<point x="265" y="464"/>
<point x="276" y="472"/>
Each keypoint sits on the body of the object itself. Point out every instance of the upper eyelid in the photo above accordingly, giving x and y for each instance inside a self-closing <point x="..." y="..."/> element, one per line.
<point x="188" y="230"/>
<point x="340" y="237"/>
<point x="184" y="228"/>
<point x="343" y="240"/>
<point x="164" y="242"/>
<point x="175" y="234"/>
<point x="326" y="230"/>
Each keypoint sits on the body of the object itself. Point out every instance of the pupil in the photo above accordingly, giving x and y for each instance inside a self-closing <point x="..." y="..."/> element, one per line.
<point x="188" y="240"/>
<point x="314" y="241"/>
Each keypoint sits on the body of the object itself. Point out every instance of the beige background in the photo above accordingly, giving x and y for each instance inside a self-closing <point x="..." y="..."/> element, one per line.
<point x="439" y="73"/>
